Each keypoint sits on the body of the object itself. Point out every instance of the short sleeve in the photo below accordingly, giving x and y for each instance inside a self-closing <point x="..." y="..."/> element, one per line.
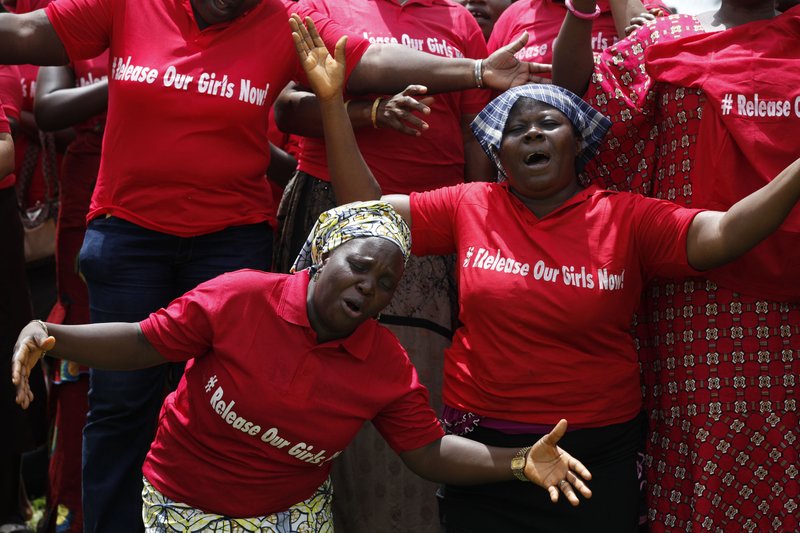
<point x="331" y="31"/>
<point x="4" y="126"/>
<point x="408" y="422"/>
<point x="661" y="228"/>
<point x="185" y="329"/>
<point x="10" y="91"/>
<point x="84" y="26"/>
<point x="433" y="220"/>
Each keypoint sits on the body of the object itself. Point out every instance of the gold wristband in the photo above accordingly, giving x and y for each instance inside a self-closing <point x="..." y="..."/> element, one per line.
<point x="374" y="114"/>
<point x="518" y="464"/>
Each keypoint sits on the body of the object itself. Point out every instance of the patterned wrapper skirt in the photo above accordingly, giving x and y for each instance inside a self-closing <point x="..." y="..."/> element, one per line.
<point x="161" y="514"/>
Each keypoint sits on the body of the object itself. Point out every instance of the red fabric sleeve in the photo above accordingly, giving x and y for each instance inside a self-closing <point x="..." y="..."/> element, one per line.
<point x="4" y="126"/>
<point x="661" y="228"/>
<point x="84" y="26"/>
<point x="184" y="329"/>
<point x="10" y="90"/>
<point x="408" y="422"/>
<point x="433" y="220"/>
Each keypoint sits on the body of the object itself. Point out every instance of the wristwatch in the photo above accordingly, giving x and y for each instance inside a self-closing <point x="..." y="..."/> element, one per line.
<point x="518" y="464"/>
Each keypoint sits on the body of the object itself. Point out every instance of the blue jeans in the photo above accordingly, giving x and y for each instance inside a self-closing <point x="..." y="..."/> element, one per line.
<point x="132" y="271"/>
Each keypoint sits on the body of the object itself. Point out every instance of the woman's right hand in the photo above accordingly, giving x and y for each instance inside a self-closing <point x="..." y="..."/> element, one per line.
<point x="398" y="111"/>
<point x="33" y="342"/>
<point x="325" y="73"/>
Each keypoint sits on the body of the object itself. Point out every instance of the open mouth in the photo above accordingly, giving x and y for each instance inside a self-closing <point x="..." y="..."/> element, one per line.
<point x="352" y="307"/>
<point x="537" y="159"/>
<point x="480" y="15"/>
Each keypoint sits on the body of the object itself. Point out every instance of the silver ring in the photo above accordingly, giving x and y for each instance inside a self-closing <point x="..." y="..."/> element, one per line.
<point x="561" y="483"/>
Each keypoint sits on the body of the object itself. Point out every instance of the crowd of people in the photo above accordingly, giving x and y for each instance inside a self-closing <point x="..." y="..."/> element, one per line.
<point x="542" y="241"/>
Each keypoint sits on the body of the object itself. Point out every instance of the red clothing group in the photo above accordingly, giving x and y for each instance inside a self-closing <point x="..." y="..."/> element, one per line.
<point x="401" y="163"/>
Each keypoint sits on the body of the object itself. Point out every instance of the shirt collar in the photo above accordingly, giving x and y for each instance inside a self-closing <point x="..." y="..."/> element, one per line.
<point x="291" y="307"/>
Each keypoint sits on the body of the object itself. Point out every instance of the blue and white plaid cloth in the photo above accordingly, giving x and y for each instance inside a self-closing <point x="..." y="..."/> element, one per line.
<point x="489" y="124"/>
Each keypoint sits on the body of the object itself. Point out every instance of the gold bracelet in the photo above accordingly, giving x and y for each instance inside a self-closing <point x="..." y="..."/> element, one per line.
<point x="374" y="113"/>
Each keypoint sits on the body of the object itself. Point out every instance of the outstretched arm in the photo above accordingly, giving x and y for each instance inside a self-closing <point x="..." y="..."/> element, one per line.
<point x="30" y="38"/>
<point x="717" y="237"/>
<point x="351" y="178"/>
<point x="572" y="50"/>
<point x="112" y="346"/>
<point x="458" y="461"/>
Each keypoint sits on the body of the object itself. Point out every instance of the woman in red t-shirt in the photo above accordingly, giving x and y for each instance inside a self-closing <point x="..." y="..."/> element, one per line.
<point x="704" y="113"/>
<point x="318" y="366"/>
<point x="550" y="276"/>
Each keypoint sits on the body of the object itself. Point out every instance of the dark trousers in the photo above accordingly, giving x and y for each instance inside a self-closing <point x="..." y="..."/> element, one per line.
<point x="515" y="507"/>
<point x="132" y="271"/>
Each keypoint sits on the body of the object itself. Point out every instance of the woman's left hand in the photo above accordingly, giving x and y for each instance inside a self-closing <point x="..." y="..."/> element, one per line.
<point x="325" y="73"/>
<point x="502" y="70"/>
<point x="554" y="469"/>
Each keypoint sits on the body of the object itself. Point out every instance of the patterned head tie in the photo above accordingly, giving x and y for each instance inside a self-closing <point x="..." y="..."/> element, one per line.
<point x="488" y="126"/>
<point x="351" y="221"/>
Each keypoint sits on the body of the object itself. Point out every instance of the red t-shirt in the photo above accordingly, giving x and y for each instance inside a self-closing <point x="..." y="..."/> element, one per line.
<point x="402" y="163"/>
<point x="11" y="98"/>
<point x="185" y="150"/>
<point x="262" y="407"/>
<point x="542" y="20"/>
<point x="547" y="304"/>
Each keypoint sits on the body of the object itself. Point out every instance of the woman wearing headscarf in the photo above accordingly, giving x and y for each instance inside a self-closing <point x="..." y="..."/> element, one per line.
<point x="549" y="276"/>
<point x="181" y="195"/>
<point x="705" y="111"/>
<point x="282" y="372"/>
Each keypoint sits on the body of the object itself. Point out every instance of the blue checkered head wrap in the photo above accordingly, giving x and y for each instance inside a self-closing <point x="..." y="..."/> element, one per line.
<point x="488" y="126"/>
<point x="336" y="226"/>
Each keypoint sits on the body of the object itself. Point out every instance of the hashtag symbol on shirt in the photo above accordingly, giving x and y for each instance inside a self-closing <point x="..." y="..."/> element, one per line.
<point x="727" y="104"/>
<point x="211" y="382"/>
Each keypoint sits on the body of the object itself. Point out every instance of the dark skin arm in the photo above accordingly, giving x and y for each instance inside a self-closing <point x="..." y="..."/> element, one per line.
<point x="572" y="50"/>
<point x="111" y="346"/>
<point x="30" y="39"/>
<point x="477" y="166"/>
<point x="60" y="104"/>
<point x="6" y="155"/>
<point x="297" y="111"/>
<point x="459" y="461"/>
<point x="281" y="166"/>
<point x="388" y="68"/>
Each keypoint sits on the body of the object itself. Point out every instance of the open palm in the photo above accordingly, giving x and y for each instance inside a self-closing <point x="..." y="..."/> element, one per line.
<point x="325" y="73"/>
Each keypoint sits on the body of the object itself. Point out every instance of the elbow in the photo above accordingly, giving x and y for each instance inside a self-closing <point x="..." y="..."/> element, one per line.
<point x="47" y="119"/>
<point x="6" y="155"/>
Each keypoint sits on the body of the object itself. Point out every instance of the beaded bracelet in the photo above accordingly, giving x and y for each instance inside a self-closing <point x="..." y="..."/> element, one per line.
<point x="580" y="14"/>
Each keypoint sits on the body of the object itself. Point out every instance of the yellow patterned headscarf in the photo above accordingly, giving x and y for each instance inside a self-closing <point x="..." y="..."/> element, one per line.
<point x="350" y="221"/>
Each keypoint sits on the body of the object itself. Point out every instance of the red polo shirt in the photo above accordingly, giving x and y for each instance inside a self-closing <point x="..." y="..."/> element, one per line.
<point x="10" y="105"/>
<point x="262" y="408"/>
<point x="401" y="163"/>
<point x="185" y="151"/>
<point x="546" y="304"/>
<point x="542" y="20"/>
<point x="88" y="72"/>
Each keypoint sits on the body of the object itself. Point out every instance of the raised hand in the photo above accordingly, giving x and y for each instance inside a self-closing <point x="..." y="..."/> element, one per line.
<point x="502" y="70"/>
<point x="554" y="469"/>
<point x="31" y="346"/>
<point x="398" y="111"/>
<point x="325" y="73"/>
